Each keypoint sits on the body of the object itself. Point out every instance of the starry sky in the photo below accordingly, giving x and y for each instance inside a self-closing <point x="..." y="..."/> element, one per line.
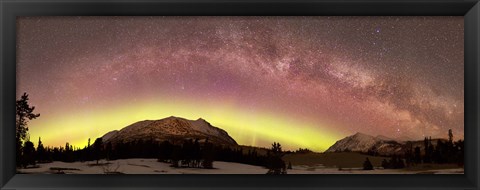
<point x="305" y="82"/>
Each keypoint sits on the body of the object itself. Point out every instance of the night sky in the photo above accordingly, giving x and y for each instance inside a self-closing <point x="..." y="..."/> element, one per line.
<point x="301" y="81"/>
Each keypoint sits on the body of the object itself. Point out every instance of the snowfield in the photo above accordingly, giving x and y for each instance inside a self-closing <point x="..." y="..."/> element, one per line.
<point x="151" y="166"/>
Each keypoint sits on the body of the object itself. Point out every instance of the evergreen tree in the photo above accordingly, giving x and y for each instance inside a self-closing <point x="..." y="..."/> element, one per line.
<point x="196" y="154"/>
<point x="66" y="153"/>
<point x="450" y="136"/>
<point x="165" y="151"/>
<point x="367" y="165"/>
<point x="275" y="163"/>
<point x="88" y="151"/>
<point x="109" y="151"/>
<point x="176" y="155"/>
<point x="459" y="156"/>
<point x="208" y="155"/>
<point x="41" y="153"/>
<point x="409" y="154"/>
<point x="385" y="164"/>
<point x="450" y="149"/>
<point x="24" y="113"/>
<point x="438" y="153"/>
<point x="28" y="154"/>
<point x="97" y="147"/>
<point x="427" y="158"/>
<point x="395" y="163"/>
<point x="417" y="157"/>
<point x="400" y="163"/>
<point x="187" y="152"/>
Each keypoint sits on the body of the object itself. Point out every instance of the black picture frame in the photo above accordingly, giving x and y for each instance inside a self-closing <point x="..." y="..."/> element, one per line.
<point x="10" y="9"/>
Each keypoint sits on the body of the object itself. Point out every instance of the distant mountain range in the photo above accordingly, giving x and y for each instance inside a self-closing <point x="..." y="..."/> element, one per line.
<point x="176" y="130"/>
<point x="170" y="129"/>
<point x="381" y="145"/>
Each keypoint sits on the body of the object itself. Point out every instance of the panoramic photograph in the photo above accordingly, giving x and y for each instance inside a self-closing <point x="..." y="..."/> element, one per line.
<point x="240" y="95"/>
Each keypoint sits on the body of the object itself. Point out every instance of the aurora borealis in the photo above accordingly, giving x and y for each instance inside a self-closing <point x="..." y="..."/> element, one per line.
<point x="302" y="81"/>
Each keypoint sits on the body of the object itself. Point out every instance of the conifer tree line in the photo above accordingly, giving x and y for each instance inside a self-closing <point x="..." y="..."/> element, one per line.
<point x="190" y="153"/>
<point x="444" y="152"/>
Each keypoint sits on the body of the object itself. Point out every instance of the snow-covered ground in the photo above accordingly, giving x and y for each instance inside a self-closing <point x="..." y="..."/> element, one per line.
<point x="142" y="166"/>
<point x="151" y="166"/>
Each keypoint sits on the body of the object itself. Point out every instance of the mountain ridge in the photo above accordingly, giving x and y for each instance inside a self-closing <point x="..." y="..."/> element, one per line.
<point x="169" y="129"/>
<point x="360" y="142"/>
<point x="380" y="145"/>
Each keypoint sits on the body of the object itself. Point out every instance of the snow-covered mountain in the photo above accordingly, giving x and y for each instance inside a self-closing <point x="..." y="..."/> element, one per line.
<point x="171" y="129"/>
<point x="109" y="135"/>
<point x="360" y="142"/>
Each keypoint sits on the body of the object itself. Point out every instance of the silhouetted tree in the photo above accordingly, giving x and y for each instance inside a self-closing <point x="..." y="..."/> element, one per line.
<point x="439" y="153"/>
<point x="176" y="155"/>
<point x="109" y="151"/>
<point x="165" y="151"/>
<point x="303" y="150"/>
<point x="68" y="154"/>
<point x="97" y="147"/>
<point x="275" y="164"/>
<point x="459" y="155"/>
<point x="450" y="149"/>
<point x="187" y="153"/>
<point x="400" y="163"/>
<point x="395" y="163"/>
<point x="41" y="153"/>
<point x="196" y="155"/>
<point x="208" y="155"/>
<point x="427" y="158"/>
<point x="24" y="113"/>
<point x="409" y="154"/>
<point x="417" y="156"/>
<point x="450" y="136"/>
<point x="28" y="154"/>
<point x="367" y="165"/>
<point x="385" y="164"/>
